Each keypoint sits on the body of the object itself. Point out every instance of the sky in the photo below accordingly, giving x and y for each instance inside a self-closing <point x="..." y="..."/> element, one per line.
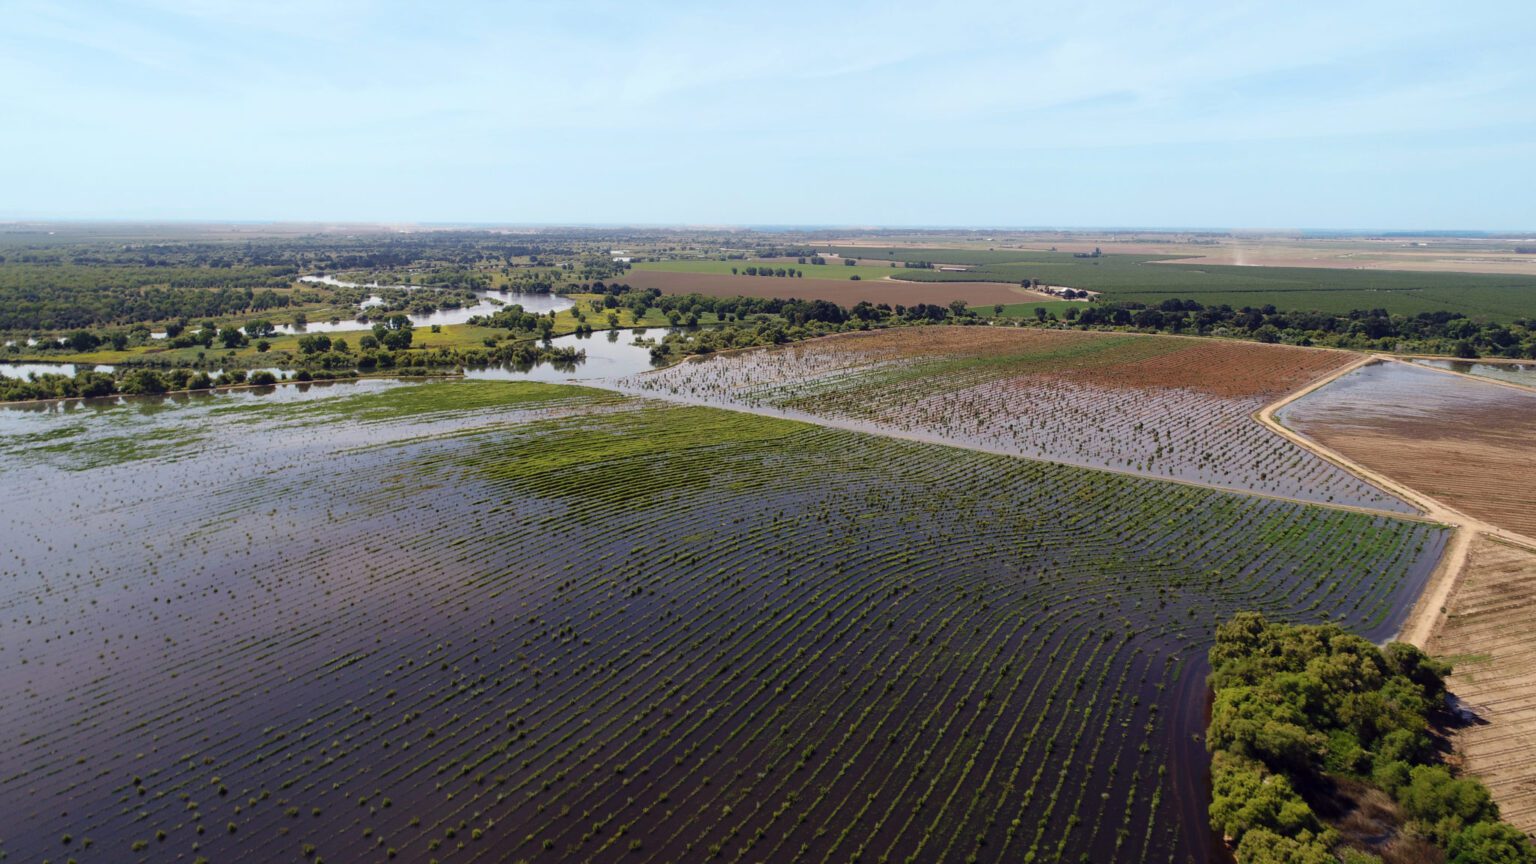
<point x="1346" y="114"/>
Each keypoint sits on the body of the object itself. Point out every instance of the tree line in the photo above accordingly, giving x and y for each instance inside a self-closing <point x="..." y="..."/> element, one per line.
<point x="62" y="298"/>
<point x="1441" y="332"/>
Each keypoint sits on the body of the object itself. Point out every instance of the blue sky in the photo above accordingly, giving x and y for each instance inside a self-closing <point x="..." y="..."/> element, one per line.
<point x="1344" y="114"/>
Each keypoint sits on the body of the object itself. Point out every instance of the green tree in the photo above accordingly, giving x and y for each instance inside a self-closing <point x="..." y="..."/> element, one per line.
<point x="1443" y="804"/>
<point x="82" y="341"/>
<point x="1262" y="846"/>
<point x="1490" y="843"/>
<point x="316" y="343"/>
<point x="1245" y="796"/>
<point x="141" y="382"/>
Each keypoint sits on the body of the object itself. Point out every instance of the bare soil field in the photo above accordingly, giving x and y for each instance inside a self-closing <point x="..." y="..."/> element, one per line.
<point x="1487" y="635"/>
<point x="1159" y="406"/>
<point x="843" y="293"/>
<point x="1461" y="441"/>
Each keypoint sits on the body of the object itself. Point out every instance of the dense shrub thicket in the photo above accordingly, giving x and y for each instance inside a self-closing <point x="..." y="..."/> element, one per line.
<point x="1299" y="709"/>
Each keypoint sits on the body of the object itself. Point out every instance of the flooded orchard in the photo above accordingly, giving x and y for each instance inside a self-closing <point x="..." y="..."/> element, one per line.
<point x="481" y="619"/>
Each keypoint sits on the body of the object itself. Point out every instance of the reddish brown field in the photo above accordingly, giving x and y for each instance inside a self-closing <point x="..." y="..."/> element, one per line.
<point x="1223" y="368"/>
<point x="1487" y="635"/>
<point x="1227" y="369"/>
<point x="835" y="291"/>
<point x="1463" y="442"/>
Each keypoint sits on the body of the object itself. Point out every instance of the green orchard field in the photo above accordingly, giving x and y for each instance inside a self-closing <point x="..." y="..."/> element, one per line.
<point x="1148" y="279"/>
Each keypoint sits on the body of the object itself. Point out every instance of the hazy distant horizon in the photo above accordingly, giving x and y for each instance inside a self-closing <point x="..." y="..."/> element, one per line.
<point x="407" y="225"/>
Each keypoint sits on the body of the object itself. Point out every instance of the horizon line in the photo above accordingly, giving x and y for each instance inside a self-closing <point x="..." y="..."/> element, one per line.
<point x="764" y="227"/>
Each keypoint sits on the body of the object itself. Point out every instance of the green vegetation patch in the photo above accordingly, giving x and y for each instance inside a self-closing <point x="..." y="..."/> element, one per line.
<point x="639" y="450"/>
<point x="1311" y="724"/>
<point x="83" y="453"/>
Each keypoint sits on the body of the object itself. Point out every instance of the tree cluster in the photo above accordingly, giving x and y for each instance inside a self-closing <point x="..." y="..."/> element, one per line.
<point x="1298" y="707"/>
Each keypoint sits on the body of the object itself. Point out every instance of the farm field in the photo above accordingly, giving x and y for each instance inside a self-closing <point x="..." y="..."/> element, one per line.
<point x="1422" y="254"/>
<point x="1153" y="278"/>
<point x="1486" y="633"/>
<point x="1464" y="442"/>
<point x="1159" y="406"/>
<point x="837" y="271"/>
<point x="1026" y="310"/>
<point x="844" y="293"/>
<point x="482" y="620"/>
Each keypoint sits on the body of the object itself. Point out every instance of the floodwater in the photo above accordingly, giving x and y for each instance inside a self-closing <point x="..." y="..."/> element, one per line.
<point x="39" y="418"/>
<point x="489" y="302"/>
<point x="1514" y="373"/>
<point x="27" y="370"/>
<point x="1401" y="396"/>
<point x="228" y="638"/>
<point x="611" y="355"/>
<point x="1462" y="441"/>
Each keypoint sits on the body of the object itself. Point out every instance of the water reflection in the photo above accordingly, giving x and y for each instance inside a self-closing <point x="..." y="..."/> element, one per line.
<point x="611" y="355"/>
<point x="27" y="370"/>
<point x="1514" y="373"/>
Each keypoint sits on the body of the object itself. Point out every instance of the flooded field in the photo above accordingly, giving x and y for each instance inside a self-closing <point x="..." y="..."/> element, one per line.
<point x="1462" y="441"/>
<point x="1513" y="373"/>
<point x="476" y="619"/>
<point x="1157" y="406"/>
